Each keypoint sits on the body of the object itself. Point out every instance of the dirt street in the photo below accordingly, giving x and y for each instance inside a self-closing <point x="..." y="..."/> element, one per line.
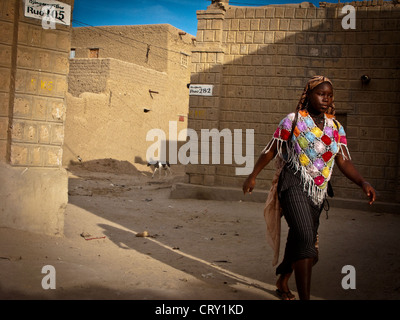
<point x="194" y="249"/>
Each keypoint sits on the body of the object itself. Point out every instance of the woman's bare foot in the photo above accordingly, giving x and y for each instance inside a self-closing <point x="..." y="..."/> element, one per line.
<point x="283" y="288"/>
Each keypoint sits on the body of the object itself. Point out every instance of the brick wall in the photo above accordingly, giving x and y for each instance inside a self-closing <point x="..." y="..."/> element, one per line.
<point x="33" y="78"/>
<point x="91" y="75"/>
<point x="260" y="58"/>
<point x="7" y="10"/>
<point x="106" y="106"/>
<point x="88" y="75"/>
<point x="109" y="93"/>
<point x="151" y="46"/>
<point x="106" y="103"/>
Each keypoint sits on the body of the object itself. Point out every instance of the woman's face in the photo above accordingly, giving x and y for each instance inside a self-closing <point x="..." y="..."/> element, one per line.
<point x="321" y="98"/>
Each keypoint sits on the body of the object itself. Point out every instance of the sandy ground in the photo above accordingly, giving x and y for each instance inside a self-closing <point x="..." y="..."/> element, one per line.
<point x="196" y="249"/>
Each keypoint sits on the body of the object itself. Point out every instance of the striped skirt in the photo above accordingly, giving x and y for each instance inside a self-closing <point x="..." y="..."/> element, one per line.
<point x="302" y="217"/>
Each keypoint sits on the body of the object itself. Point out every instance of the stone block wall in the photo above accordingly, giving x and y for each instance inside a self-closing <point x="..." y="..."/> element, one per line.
<point x="260" y="58"/>
<point x="40" y="85"/>
<point x="33" y="83"/>
<point x="7" y="16"/>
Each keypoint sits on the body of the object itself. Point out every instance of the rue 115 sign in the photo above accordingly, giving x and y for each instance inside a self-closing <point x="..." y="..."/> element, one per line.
<point x="48" y="10"/>
<point x="201" y="90"/>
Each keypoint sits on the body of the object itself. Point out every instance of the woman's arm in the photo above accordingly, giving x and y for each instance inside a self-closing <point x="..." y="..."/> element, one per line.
<point x="262" y="161"/>
<point x="349" y="170"/>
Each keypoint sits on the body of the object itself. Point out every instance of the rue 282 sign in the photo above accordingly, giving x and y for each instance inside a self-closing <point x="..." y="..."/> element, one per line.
<point x="53" y="11"/>
<point x="201" y="90"/>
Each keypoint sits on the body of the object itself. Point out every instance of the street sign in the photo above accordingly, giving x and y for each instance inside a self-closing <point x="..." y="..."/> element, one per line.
<point x="201" y="90"/>
<point x="54" y="11"/>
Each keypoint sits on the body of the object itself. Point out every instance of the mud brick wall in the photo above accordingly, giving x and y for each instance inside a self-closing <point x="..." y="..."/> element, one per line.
<point x="100" y="89"/>
<point x="137" y="68"/>
<point x="259" y="59"/>
<point x="91" y="75"/>
<point x="88" y="75"/>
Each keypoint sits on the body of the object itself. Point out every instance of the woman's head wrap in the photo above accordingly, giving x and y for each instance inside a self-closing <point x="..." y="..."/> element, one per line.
<point x="311" y="84"/>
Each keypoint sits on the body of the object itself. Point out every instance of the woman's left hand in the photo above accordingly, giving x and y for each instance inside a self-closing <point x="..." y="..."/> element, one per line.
<point x="350" y="171"/>
<point x="369" y="191"/>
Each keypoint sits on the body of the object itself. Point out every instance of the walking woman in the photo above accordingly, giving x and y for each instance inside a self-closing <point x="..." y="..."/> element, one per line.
<point x="307" y="144"/>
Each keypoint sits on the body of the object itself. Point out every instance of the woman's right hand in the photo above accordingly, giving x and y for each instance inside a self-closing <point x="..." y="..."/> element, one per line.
<point x="263" y="160"/>
<point x="249" y="184"/>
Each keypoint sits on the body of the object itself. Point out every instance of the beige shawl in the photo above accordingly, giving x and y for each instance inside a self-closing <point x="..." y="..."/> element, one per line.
<point x="273" y="213"/>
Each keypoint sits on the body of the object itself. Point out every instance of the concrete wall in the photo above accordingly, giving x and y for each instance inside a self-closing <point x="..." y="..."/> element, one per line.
<point x="259" y="59"/>
<point x="108" y="95"/>
<point x="33" y="83"/>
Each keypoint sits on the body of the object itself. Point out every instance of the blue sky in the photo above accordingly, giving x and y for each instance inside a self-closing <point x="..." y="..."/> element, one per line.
<point x="179" y="13"/>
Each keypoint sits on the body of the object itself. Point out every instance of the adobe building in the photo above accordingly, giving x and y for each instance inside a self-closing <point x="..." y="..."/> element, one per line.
<point x="125" y="81"/>
<point x="33" y="84"/>
<point x="258" y="60"/>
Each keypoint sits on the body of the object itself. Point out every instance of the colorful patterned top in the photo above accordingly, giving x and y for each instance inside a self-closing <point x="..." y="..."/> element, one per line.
<point x="311" y="151"/>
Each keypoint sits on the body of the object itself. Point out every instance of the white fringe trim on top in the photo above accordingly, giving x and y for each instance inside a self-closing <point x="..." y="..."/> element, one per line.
<point x="316" y="194"/>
